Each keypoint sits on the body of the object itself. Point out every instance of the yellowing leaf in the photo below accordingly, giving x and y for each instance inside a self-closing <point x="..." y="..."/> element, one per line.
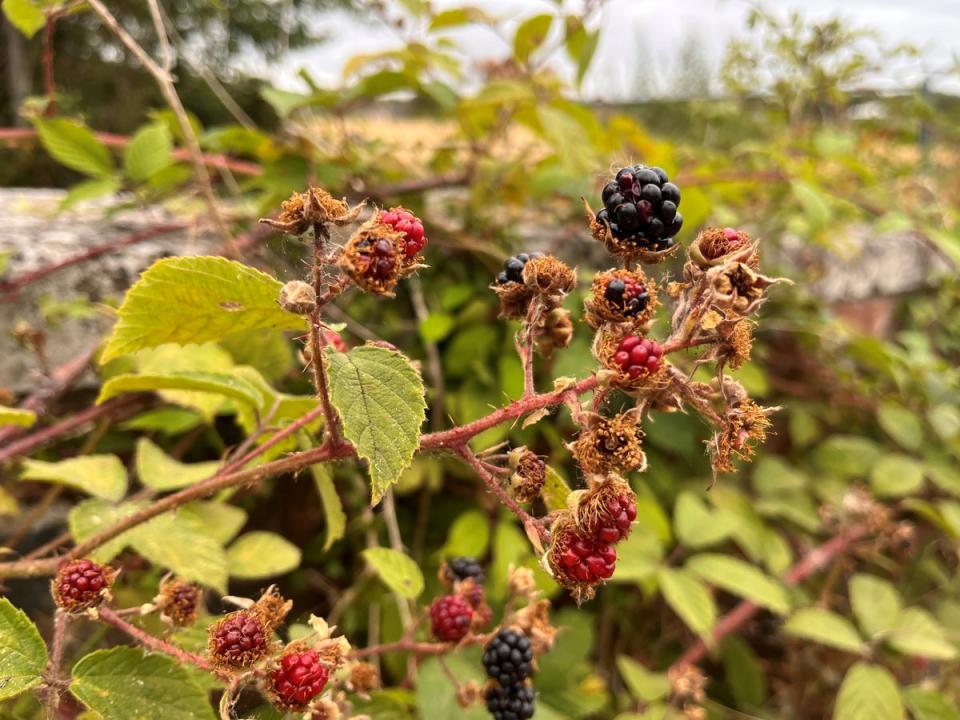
<point x="102" y="476"/>
<point x="644" y="685"/>
<point x="161" y="472"/>
<point x="380" y="399"/>
<point x="230" y="386"/>
<point x="398" y="571"/>
<point x="257" y="555"/>
<point x="25" y="16"/>
<point x="868" y="692"/>
<point x="186" y="300"/>
<point x="16" y="416"/>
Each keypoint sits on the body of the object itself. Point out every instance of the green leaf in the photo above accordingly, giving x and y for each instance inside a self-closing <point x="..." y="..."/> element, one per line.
<point x="640" y="557"/>
<point x="825" y="627"/>
<point x="23" y="655"/>
<point x="530" y="35"/>
<point x="398" y="571"/>
<point x="847" y="455"/>
<point x="149" y="151"/>
<point x="555" y="490"/>
<point x="436" y="327"/>
<point x="231" y="386"/>
<point x="744" y="673"/>
<point x="161" y="472"/>
<point x="696" y="525"/>
<point x="90" y="517"/>
<point x="901" y="424"/>
<point x="436" y="696"/>
<point x="689" y="598"/>
<point x="181" y="543"/>
<point x="945" y="419"/>
<point x="459" y="16"/>
<point x="868" y="692"/>
<point x="896" y="476"/>
<point x="813" y="201"/>
<point x="207" y="358"/>
<point x="186" y="300"/>
<point x="740" y="578"/>
<point x="74" y="145"/>
<point x="257" y="555"/>
<point x="25" y="16"/>
<point x="469" y="535"/>
<point x="89" y="190"/>
<point x="380" y="398"/>
<point x="219" y="520"/>
<point x="876" y="604"/>
<point x="102" y="476"/>
<point x="334" y="515"/>
<point x="16" y="416"/>
<point x="644" y="685"/>
<point x="124" y="683"/>
<point x="918" y="633"/>
<point x="927" y="704"/>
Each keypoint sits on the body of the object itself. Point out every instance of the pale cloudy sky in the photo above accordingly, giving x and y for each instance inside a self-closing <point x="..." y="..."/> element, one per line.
<point x="647" y="35"/>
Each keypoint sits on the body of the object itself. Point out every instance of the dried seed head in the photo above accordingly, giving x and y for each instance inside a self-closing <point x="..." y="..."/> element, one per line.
<point x="534" y="621"/>
<point x="468" y="693"/>
<point x="298" y="297"/>
<point x="688" y="684"/>
<point x="621" y="296"/>
<point x="178" y="601"/>
<point x="610" y="445"/>
<point x="549" y="277"/>
<point x="272" y="608"/>
<point x="514" y="299"/>
<point x="521" y="581"/>
<point x="744" y="426"/>
<point x="363" y="678"/>
<point x="555" y="332"/>
<point x="737" y="287"/>
<point x="529" y="474"/>
<point x="316" y="206"/>
<point x="373" y="257"/>
<point x="713" y="246"/>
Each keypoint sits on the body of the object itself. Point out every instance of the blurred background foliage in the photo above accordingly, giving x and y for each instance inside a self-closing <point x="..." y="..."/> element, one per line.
<point x="797" y="149"/>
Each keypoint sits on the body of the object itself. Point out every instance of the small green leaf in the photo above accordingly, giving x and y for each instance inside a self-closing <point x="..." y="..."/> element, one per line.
<point x="180" y="542"/>
<point x="896" y="476"/>
<point x="813" y="201"/>
<point x="90" y="517"/>
<point x="219" y="520"/>
<point x="876" y="604"/>
<point x="825" y="627"/>
<point x="436" y="327"/>
<point x="398" y="571"/>
<point x="740" y="578"/>
<point x="124" y="683"/>
<point x="744" y="673"/>
<point x="102" y="476"/>
<point x="555" y="491"/>
<point x="945" y="419"/>
<point x="927" y="704"/>
<point x="90" y="190"/>
<point x="25" y="16"/>
<point x="23" y="655"/>
<point x="186" y="300"/>
<point x="161" y="472"/>
<point x="868" y="692"/>
<point x="16" y="416"/>
<point x="901" y="424"/>
<point x="918" y="633"/>
<point x="231" y="386"/>
<point x="469" y="535"/>
<point x="689" y="598"/>
<point x="847" y="455"/>
<point x="380" y="398"/>
<point x="150" y="151"/>
<point x="257" y="555"/>
<point x="530" y="35"/>
<point x="644" y="685"/>
<point x="74" y="145"/>
<point x="696" y="525"/>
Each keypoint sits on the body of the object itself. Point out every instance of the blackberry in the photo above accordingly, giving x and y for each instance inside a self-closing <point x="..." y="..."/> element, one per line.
<point x="586" y="560"/>
<point x="450" y="618"/>
<point x="299" y="678"/>
<point x="513" y="267"/>
<point x="81" y="584"/>
<point x="628" y="295"/>
<point x="640" y="206"/>
<point x="508" y="657"/>
<point x="179" y="602"/>
<point x="514" y="702"/>
<point x="638" y="356"/>
<point x="238" y="640"/>
<point x="461" y="568"/>
<point x="405" y="222"/>
<point x="614" y="524"/>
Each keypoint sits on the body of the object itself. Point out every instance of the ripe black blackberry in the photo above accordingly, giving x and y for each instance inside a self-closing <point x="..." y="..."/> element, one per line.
<point x="461" y="568"/>
<point x="628" y="295"/>
<point x="640" y="205"/>
<point x="513" y="267"/>
<point x="514" y="702"/>
<point x="508" y="657"/>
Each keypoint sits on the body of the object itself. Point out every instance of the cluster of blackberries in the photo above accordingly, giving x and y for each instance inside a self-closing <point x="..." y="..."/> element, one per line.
<point x="628" y="295"/>
<point x="640" y="205"/>
<point x="513" y="267"/>
<point x="508" y="660"/>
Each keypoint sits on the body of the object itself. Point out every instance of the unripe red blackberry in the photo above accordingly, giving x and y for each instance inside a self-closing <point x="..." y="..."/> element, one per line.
<point x="638" y="356"/>
<point x="179" y="602"/>
<point x="409" y="225"/>
<point x="640" y="205"/>
<point x="508" y="657"/>
<point x="299" y="678"/>
<point x="450" y="618"/>
<point x="335" y="341"/>
<point x="613" y="524"/>
<point x="238" y="640"/>
<point x="81" y="584"/>
<point x="584" y="560"/>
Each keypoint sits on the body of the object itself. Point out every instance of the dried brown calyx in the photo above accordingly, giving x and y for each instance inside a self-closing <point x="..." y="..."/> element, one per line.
<point x="554" y="331"/>
<point x="550" y="277"/>
<point x="374" y="257"/>
<point x="298" y="297"/>
<point x="316" y="206"/>
<point x="529" y="474"/>
<point x="713" y="246"/>
<point x="610" y="445"/>
<point x="744" y="425"/>
<point x="178" y="601"/>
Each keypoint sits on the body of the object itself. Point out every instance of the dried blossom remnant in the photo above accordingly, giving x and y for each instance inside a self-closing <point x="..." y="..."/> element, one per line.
<point x="610" y="445"/>
<point x="621" y="296"/>
<point x="744" y="425"/>
<point x="606" y="510"/>
<point x="687" y="684"/>
<point x="272" y="607"/>
<point x="363" y="678"/>
<point x="178" y="602"/>
<point x="736" y="286"/>
<point x="316" y="206"/>
<point x="554" y="332"/>
<point x="468" y="693"/>
<point x="373" y="258"/>
<point x="534" y="622"/>
<point x="529" y="474"/>
<point x="713" y="246"/>
<point x="733" y="338"/>
<point x="514" y="299"/>
<point x="550" y="277"/>
<point x="298" y="297"/>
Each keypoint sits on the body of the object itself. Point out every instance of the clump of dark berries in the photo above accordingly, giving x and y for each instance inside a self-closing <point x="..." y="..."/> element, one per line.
<point x="450" y="618"/>
<point x="299" y="678"/>
<point x="407" y="224"/>
<point x="461" y="568"/>
<point x="514" y="702"/>
<point x="628" y="295"/>
<point x="179" y="602"/>
<point x="640" y="206"/>
<point x="637" y="356"/>
<point x="81" y="584"/>
<point x="587" y="560"/>
<point x="238" y="640"/>
<point x="508" y="657"/>
<point x="513" y="267"/>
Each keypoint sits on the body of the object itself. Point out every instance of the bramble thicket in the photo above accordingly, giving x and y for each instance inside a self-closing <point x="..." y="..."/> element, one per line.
<point x="556" y="412"/>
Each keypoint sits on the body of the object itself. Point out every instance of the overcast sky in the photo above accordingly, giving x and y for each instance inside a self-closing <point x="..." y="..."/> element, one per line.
<point x="650" y="33"/>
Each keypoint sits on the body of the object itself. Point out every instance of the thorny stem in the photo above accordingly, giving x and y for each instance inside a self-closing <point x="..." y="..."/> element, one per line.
<point x="417" y="648"/>
<point x="317" y="341"/>
<point x="525" y="348"/>
<point x="111" y="617"/>
<point x="52" y="672"/>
